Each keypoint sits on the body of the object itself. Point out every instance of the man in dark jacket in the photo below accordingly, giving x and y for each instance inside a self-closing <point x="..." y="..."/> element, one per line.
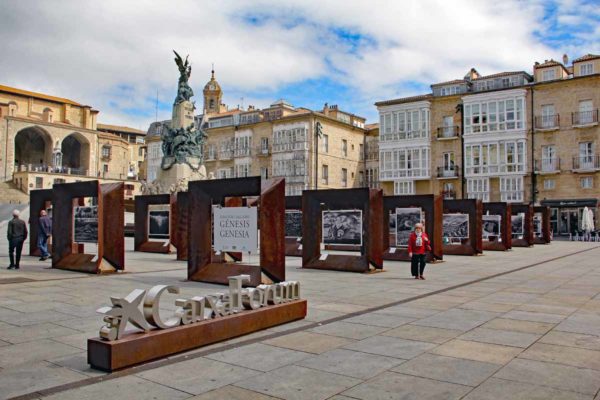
<point x="44" y="232"/>
<point x="16" y="233"/>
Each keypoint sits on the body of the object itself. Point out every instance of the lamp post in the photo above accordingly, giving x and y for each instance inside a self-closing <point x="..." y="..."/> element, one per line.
<point x="318" y="134"/>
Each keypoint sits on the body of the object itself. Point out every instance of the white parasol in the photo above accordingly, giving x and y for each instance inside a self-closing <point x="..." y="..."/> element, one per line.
<point x="587" y="222"/>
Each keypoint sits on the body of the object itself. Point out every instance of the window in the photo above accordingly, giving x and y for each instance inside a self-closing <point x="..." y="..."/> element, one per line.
<point x="548" y="119"/>
<point x="549" y="160"/>
<point x="242" y="146"/>
<point x="405" y="124"/>
<point x="290" y="139"/>
<point x="405" y="162"/>
<point x="448" y="191"/>
<point x="212" y="151"/>
<point x="325" y="144"/>
<point x="585" y="112"/>
<point x="344" y="177"/>
<point x="448" y="159"/>
<point x="478" y="188"/>
<point x="264" y="172"/>
<point x="39" y="182"/>
<point x="105" y="167"/>
<point x="587" y="182"/>
<point x="549" y="184"/>
<point x="586" y="155"/>
<point x="106" y="151"/>
<point x="242" y="170"/>
<point x="488" y="158"/>
<point x="494" y="116"/>
<point x="548" y="74"/>
<point x="325" y="174"/>
<point x="361" y="152"/>
<point x="224" y="173"/>
<point x="264" y="145"/>
<point x="448" y="125"/>
<point x="404" y="187"/>
<point x="511" y="188"/>
<point x="586" y="69"/>
<point x="345" y="147"/>
<point x="361" y="178"/>
<point x="141" y="152"/>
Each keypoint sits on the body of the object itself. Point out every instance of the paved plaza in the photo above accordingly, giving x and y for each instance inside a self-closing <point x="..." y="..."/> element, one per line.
<point x="524" y="324"/>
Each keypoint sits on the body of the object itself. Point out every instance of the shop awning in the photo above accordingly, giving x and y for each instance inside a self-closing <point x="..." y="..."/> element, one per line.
<point x="570" y="203"/>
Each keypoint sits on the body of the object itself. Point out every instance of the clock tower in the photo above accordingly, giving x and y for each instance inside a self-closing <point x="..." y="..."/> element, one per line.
<point x="213" y="96"/>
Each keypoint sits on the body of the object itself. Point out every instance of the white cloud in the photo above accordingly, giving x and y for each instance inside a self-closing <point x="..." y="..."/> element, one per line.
<point x="115" y="55"/>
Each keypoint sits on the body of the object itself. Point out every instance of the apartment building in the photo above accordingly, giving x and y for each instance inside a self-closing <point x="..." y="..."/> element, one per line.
<point x="567" y="139"/>
<point x="510" y="136"/>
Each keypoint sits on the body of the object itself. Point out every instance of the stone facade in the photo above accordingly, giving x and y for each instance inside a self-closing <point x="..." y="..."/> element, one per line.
<point x="58" y="138"/>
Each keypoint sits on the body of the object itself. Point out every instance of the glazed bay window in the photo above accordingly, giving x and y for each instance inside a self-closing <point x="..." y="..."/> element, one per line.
<point x="406" y="124"/>
<point x="406" y="162"/>
<point x="287" y="140"/>
<point x="511" y="189"/>
<point x="478" y="188"/>
<point x="404" y="187"/>
<point x="490" y="158"/>
<point x="242" y="170"/>
<point x="494" y="116"/>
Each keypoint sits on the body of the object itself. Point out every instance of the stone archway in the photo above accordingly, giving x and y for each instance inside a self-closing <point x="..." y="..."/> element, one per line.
<point x="33" y="147"/>
<point x="75" y="150"/>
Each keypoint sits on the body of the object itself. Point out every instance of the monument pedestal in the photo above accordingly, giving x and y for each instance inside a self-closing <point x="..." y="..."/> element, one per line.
<point x="176" y="178"/>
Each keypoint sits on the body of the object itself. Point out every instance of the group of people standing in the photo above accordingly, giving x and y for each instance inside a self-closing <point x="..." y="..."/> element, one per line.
<point x="16" y="233"/>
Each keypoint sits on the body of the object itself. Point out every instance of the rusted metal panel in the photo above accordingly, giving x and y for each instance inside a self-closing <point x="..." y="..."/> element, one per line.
<point x="203" y="264"/>
<point x="527" y="209"/>
<point x="369" y="201"/>
<point x="39" y="200"/>
<point x="139" y="348"/>
<point x="504" y="210"/>
<point x="431" y="205"/>
<point x="474" y="244"/>
<point x="181" y="225"/>
<point x="66" y="254"/>
<point x="546" y="229"/>
<point x="142" y="241"/>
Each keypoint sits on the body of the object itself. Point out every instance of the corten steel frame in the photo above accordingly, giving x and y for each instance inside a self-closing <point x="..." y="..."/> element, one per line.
<point x="39" y="200"/>
<point x="504" y="210"/>
<point x="111" y="226"/>
<point x="546" y="235"/>
<point x="527" y="209"/>
<point x="431" y="205"/>
<point x="292" y="245"/>
<point x="180" y="227"/>
<point x="370" y="201"/>
<point x="202" y="264"/>
<point x="142" y="241"/>
<point x="474" y="244"/>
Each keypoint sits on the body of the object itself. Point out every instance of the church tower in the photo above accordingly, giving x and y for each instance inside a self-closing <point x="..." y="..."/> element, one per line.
<point x="213" y="95"/>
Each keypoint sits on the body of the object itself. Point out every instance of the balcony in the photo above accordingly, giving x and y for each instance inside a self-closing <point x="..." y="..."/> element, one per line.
<point x="410" y="135"/>
<point x="547" y="166"/>
<point x="226" y="155"/>
<point x="50" y="169"/>
<point x="586" y="163"/>
<point x="262" y="151"/>
<point x="448" y="132"/>
<point x="242" y="152"/>
<point x="547" y="122"/>
<point x="583" y="119"/>
<point x="447" y="172"/>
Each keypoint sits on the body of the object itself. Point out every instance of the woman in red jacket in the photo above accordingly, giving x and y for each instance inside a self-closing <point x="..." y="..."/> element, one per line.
<point x="418" y="246"/>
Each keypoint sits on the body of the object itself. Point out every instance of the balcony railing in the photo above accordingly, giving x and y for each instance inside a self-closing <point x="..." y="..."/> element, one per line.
<point x="448" y="132"/>
<point x="584" y="118"/>
<point x="586" y="163"/>
<point x="547" y="122"/>
<point x="242" y="152"/>
<point x="226" y="155"/>
<point x="447" y="172"/>
<point x="50" y="169"/>
<point x="262" y="151"/>
<point x="547" y="165"/>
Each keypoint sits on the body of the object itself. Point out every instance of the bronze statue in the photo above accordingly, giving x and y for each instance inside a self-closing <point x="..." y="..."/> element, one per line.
<point x="184" y="91"/>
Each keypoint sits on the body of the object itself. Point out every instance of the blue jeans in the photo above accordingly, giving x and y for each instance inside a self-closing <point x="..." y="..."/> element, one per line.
<point x="43" y="245"/>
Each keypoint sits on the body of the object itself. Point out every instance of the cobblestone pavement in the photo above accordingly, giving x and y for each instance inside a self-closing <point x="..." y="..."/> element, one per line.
<point x="533" y="333"/>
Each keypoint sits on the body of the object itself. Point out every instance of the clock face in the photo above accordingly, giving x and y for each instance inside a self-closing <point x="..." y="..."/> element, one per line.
<point x="211" y="87"/>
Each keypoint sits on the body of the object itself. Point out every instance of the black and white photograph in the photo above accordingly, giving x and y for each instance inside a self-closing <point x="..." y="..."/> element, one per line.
<point x="537" y="225"/>
<point x="343" y="227"/>
<point x="406" y="218"/>
<point x="293" y="224"/>
<point x="455" y="227"/>
<point x="392" y="223"/>
<point x="491" y="227"/>
<point x="85" y="224"/>
<point x="517" y="222"/>
<point x="158" y="224"/>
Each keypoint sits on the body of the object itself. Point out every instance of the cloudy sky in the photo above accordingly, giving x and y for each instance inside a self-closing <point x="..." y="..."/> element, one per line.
<point x="116" y="55"/>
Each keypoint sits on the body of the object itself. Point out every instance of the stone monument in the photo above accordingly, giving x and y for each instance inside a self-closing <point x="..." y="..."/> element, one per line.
<point x="181" y="142"/>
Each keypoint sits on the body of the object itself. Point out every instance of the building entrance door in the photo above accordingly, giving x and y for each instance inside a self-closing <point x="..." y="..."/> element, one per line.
<point x="569" y="221"/>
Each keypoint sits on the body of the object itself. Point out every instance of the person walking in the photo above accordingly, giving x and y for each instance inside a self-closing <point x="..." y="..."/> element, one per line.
<point x="16" y="234"/>
<point x="418" y="246"/>
<point x="44" y="232"/>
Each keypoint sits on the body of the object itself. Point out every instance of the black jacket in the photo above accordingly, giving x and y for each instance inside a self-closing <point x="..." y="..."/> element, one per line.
<point x="17" y="229"/>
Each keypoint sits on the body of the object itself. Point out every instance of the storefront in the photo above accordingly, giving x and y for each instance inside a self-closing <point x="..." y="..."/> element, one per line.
<point x="566" y="215"/>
